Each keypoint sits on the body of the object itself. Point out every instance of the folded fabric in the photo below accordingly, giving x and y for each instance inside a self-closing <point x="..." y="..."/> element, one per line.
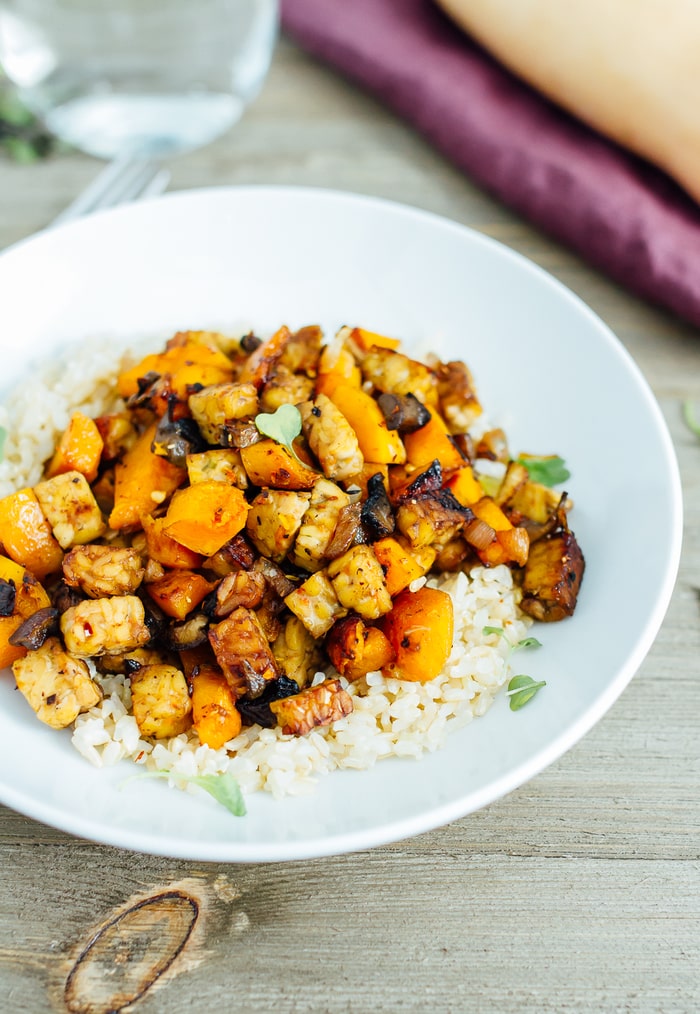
<point x="620" y="213"/>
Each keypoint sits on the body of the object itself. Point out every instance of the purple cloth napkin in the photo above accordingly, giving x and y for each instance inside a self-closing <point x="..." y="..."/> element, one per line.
<point x="620" y="213"/>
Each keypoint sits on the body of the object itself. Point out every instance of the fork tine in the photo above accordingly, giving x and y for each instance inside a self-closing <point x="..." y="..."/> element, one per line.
<point x="120" y="181"/>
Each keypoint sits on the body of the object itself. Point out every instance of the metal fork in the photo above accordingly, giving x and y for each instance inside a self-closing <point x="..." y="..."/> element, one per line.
<point x="124" y="179"/>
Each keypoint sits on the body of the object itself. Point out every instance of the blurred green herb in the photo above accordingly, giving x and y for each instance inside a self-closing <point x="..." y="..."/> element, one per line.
<point x="223" y="787"/>
<point x="549" y="470"/>
<point x="522" y="689"/>
<point x="690" y="419"/>
<point x="525" y="642"/>
<point x="21" y="135"/>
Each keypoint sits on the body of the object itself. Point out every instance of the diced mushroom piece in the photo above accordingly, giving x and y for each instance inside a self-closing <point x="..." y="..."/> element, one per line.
<point x="359" y="582"/>
<point x="319" y="524"/>
<point x="285" y="388"/>
<point x="70" y="508"/>
<point x="243" y="652"/>
<point x="434" y="519"/>
<point x="217" y="407"/>
<point x="100" y="571"/>
<point x="331" y="438"/>
<point x="218" y="465"/>
<point x="236" y="554"/>
<point x="105" y="626"/>
<point x="393" y="373"/>
<point x="316" y="604"/>
<point x="57" y="687"/>
<point x="34" y="630"/>
<point x="377" y="516"/>
<point x="458" y="401"/>
<point x="242" y="588"/>
<point x="297" y="652"/>
<point x="274" y="519"/>
<point x="160" y="701"/>
<point x="403" y="412"/>
<point x="190" y="633"/>
<point x="552" y="578"/>
<point x="311" y="708"/>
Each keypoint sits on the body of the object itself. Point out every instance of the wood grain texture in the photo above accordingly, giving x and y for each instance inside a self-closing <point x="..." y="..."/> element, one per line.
<point x="578" y="892"/>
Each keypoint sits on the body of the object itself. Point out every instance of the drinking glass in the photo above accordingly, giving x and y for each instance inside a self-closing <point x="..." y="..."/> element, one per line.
<point x="142" y="78"/>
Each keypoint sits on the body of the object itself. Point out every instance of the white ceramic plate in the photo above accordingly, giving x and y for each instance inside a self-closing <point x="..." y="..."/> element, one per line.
<point x="546" y="367"/>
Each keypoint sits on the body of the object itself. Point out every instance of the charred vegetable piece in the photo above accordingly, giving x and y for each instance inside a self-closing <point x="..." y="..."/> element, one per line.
<point x="268" y="463"/>
<point x="8" y="595"/>
<point x="301" y="353"/>
<point x="142" y="482"/>
<point x="359" y="582"/>
<point x="236" y="554"/>
<point x="105" y="626"/>
<point x="79" y="449"/>
<point x="102" y="570"/>
<point x="260" y="364"/>
<point x="174" y="439"/>
<point x="216" y="718"/>
<point x="377" y="516"/>
<point x="26" y="535"/>
<point x="33" y="631"/>
<point x="420" y="629"/>
<point x="348" y="531"/>
<point x="417" y="483"/>
<point x="163" y="549"/>
<point x="433" y="441"/>
<point x="377" y="442"/>
<point x="356" y="649"/>
<point x="160" y="701"/>
<point x="243" y="652"/>
<point x="331" y="438"/>
<point x="179" y="592"/>
<point x="403" y="412"/>
<point x="316" y="604"/>
<point x="192" y="633"/>
<point x="57" y="687"/>
<point x="311" y="708"/>
<point x="29" y="596"/>
<point x="258" y="711"/>
<point x="434" y="519"/>
<point x="71" y="509"/>
<point x="275" y="577"/>
<point x="402" y="563"/>
<point x="205" y="516"/>
<point x="552" y="578"/>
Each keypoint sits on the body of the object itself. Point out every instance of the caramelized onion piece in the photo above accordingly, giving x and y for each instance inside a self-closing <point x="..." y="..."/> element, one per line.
<point x="478" y="534"/>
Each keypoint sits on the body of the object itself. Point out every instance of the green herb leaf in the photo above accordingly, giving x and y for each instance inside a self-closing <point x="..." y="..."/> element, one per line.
<point x="549" y="470"/>
<point x="283" y="425"/>
<point x="690" y="419"/>
<point x="528" y="642"/>
<point x="522" y="689"/>
<point x="224" y="787"/>
<point x="3" y="438"/>
<point x="493" y="630"/>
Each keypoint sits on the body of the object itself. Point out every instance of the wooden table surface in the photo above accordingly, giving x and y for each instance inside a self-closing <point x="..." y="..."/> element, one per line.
<point x="578" y="892"/>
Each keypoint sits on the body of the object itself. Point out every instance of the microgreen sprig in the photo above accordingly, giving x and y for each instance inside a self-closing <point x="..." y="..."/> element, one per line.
<point x="223" y="787"/>
<point x="282" y="425"/>
<point x="549" y="470"/>
<point x="521" y="688"/>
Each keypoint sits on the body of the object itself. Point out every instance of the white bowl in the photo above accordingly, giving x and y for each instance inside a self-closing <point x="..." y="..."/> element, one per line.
<point x="546" y="368"/>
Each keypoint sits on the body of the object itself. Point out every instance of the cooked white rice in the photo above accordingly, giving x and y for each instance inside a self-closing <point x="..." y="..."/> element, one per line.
<point x="391" y="718"/>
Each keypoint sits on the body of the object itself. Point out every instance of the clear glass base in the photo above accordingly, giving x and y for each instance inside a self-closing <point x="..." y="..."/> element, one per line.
<point x="152" y="126"/>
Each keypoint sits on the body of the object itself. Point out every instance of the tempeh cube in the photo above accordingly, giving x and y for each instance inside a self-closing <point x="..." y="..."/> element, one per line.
<point x="56" y="686"/>
<point x="105" y="626"/>
<point x="313" y="707"/>
<point x="103" y="570"/>
<point x="274" y="519"/>
<point x="70" y="508"/>
<point x="160" y="701"/>
<point x="316" y="604"/>
<point x="359" y="583"/>
<point x="243" y="652"/>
